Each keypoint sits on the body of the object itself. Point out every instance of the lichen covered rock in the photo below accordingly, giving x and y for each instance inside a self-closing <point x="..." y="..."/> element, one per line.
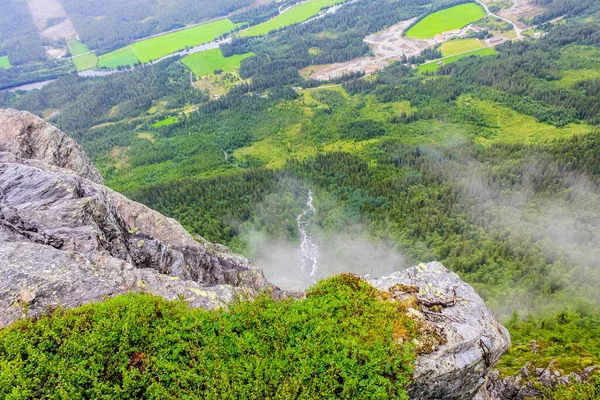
<point x="473" y="340"/>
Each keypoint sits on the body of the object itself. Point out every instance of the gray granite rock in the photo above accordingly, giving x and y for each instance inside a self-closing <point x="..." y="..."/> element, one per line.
<point x="475" y="340"/>
<point x="65" y="239"/>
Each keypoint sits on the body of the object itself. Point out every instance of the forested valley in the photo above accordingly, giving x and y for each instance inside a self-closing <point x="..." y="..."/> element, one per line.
<point x="491" y="165"/>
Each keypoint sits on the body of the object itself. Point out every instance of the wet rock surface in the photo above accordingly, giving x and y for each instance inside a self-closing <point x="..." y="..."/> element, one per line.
<point x="65" y="239"/>
<point x="473" y="340"/>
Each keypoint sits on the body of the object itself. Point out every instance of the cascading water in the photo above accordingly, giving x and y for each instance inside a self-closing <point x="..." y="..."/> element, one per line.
<point x="309" y="250"/>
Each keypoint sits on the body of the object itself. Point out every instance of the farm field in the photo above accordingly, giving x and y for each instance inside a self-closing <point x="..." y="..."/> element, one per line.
<point x="4" y="62"/>
<point x="460" y="46"/>
<point x="297" y="14"/>
<point x="446" y="20"/>
<point x="166" y="122"/>
<point x="206" y="62"/>
<point x="83" y="61"/>
<point x="160" y="46"/>
<point x="432" y="66"/>
<point x="118" y="58"/>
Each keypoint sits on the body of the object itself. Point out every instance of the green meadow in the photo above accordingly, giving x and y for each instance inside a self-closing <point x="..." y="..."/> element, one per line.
<point x="160" y="46"/>
<point x="76" y="47"/>
<point x="166" y="122"/>
<point x="206" y="62"/>
<point x="433" y="66"/>
<point x="297" y="14"/>
<point x="118" y="58"/>
<point x="446" y="20"/>
<point x="4" y="62"/>
<point x="453" y="47"/>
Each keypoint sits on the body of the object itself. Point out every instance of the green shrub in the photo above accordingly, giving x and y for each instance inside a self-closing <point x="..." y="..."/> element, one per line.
<point x="345" y="340"/>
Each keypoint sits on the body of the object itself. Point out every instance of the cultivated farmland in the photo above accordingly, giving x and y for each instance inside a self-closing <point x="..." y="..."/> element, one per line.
<point x="292" y="16"/>
<point x="433" y="66"/>
<point x="458" y="46"/>
<point x="446" y="20"/>
<point x="4" y="62"/>
<point x="82" y="57"/>
<point x="206" y="62"/>
<point x="160" y="46"/>
<point x="118" y="58"/>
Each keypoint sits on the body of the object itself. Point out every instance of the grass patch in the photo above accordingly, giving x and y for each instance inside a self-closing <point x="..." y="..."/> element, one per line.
<point x="206" y="62"/>
<point x="295" y="15"/>
<point x="345" y="340"/>
<point x="166" y="122"/>
<point x="119" y="58"/>
<point x="519" y="128"/>
<point x="460" y="46"/>
<point x="4" y="62"/>
<point x="77" y="48"/>
<point x="433" y="66"/>
<point x="446" y="20"/>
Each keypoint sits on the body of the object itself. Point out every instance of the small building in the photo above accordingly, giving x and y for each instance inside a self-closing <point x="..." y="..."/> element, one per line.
<point x="439" y="38"/>
<point x="496" y="40"/>
<point x="477" y="29"/>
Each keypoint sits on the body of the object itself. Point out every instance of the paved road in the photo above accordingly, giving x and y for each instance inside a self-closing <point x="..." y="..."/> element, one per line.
<point x="487" y="10"/>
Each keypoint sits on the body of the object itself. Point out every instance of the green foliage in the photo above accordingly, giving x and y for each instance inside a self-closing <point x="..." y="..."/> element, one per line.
<point x="572" y="338"/>
<point x="576" y="391"/>
<point x="343" y="341"/>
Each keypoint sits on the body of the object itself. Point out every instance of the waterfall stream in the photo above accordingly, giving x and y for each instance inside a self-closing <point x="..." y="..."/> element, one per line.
<point x="309" y="250"/>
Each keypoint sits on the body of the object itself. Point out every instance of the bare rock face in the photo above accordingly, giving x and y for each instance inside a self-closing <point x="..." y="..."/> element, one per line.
<point x="30" y="139"/>
<point x="65" y="239"/>
<point x="473" y="340"/>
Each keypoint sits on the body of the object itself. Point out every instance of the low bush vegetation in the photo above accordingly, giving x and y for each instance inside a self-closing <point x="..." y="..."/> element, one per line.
<point x="345" y="340"/>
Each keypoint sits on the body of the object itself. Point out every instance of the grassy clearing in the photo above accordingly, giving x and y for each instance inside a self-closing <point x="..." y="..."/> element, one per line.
<point x="166" y="122"/>
<point x="446" y="20"/>
<point x="460" y="46"/>
<point x="519" y="128"/>
<point x="206" y="62"/>
<point x="118" y="58"/>
<point x="297" y="14"/>
<point x="76" y="47"/>
<point x="572" y="77"/>
<point x="4" y="62"/>
<point x="433" y="66"/>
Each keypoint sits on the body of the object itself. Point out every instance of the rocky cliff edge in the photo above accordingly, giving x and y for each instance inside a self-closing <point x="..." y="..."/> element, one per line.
<point x="65" y="239"/>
